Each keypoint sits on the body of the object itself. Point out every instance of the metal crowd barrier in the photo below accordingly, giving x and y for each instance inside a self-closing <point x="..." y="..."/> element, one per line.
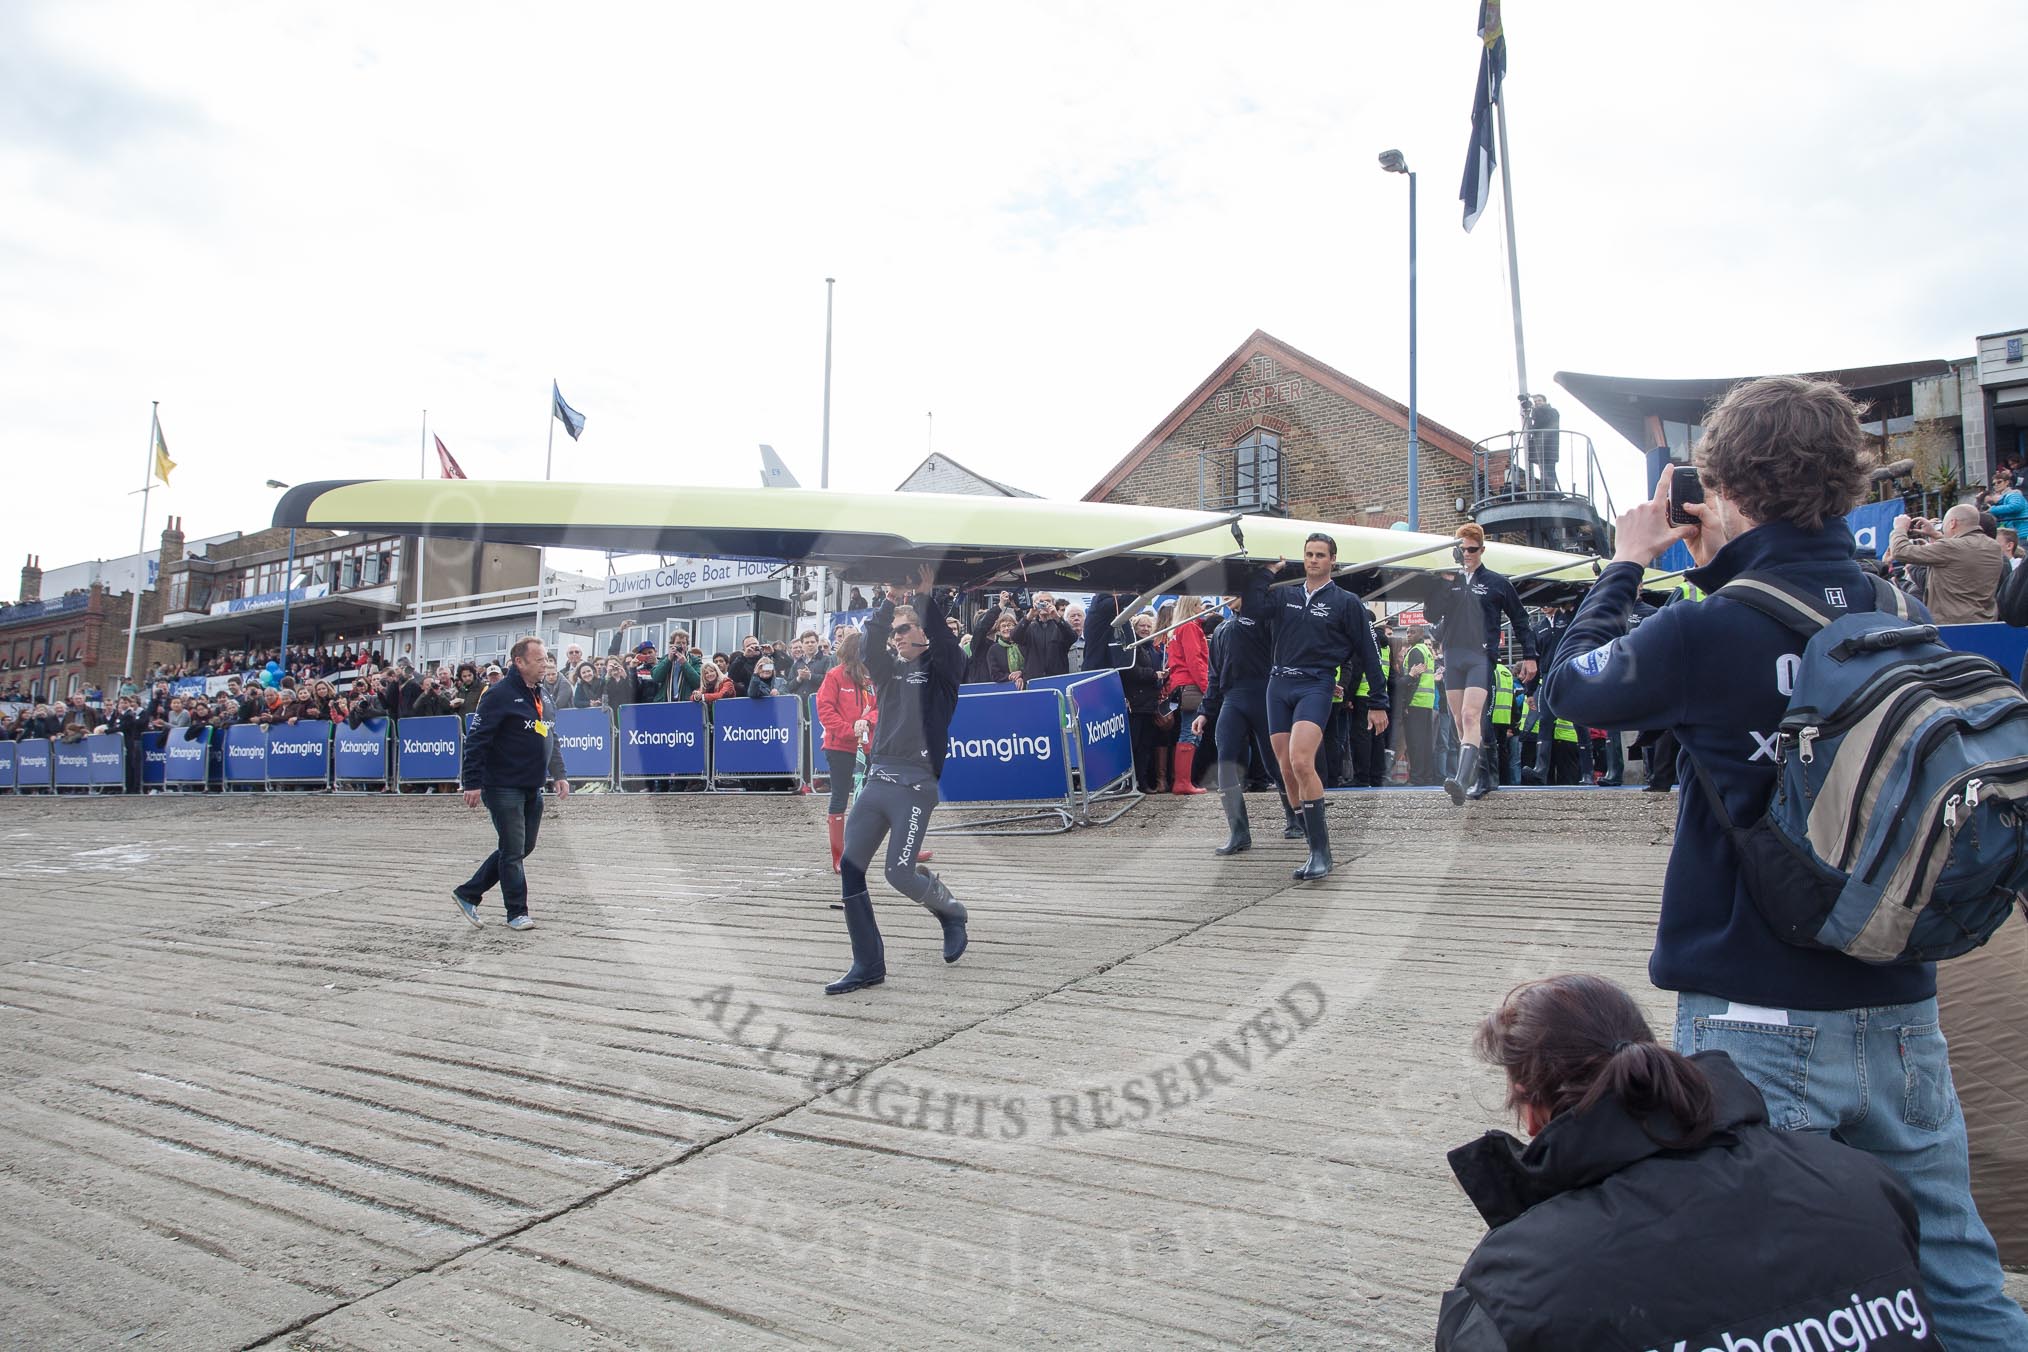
<point x="1020" y="762"/>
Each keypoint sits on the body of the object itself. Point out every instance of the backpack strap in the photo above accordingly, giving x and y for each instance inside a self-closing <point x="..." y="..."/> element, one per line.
<point x="1800" y="610"/>
<point x="1780" y="601"/>
<point x="1887" y="596"/>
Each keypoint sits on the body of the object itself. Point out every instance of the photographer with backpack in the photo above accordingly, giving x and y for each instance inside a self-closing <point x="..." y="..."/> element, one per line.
<point x="1836" y="1043"/>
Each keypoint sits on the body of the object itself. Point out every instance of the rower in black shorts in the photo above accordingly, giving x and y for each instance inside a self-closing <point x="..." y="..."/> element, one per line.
<point x="1319" y="629"/>
<point x="1469" y="605"/>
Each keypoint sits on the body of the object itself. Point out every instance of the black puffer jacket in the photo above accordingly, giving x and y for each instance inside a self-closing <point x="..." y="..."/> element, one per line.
<point x="1604" y="1239"/>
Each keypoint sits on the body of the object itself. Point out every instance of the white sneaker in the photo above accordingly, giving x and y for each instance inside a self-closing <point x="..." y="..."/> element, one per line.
<point x="521" y="922"/>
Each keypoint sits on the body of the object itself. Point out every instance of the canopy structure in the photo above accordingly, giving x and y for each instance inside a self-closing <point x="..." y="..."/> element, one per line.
<point x="883" y="537"/>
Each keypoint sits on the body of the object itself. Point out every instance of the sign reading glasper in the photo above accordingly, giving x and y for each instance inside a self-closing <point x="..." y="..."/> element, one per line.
<point x="683" y="575"/>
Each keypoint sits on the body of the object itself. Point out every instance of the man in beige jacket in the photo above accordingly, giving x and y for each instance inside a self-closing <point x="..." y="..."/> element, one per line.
<point x="1965" y="565"/>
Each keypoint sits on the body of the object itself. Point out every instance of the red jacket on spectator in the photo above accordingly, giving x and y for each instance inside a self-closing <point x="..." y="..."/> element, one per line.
<point x="1189" y="659"/>
<point x="840" y="704"/>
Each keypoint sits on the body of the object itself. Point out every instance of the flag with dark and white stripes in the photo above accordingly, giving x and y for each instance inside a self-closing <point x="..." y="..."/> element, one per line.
<point x="1480" y="160"/>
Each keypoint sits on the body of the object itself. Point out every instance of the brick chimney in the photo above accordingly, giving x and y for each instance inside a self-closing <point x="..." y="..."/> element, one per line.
<point x="172" y="543"/>
<point x="31" y="580"/>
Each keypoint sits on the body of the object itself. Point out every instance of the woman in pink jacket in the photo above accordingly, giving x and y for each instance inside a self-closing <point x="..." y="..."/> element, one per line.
<point x="845" y="708"/>
<point x="1188" y="675"/>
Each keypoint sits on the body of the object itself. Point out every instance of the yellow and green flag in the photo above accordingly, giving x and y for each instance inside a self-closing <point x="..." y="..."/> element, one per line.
<point x="163" y="464"/>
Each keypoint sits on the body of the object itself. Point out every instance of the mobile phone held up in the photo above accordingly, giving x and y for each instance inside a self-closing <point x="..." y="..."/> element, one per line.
<point x="1684" y="486"/>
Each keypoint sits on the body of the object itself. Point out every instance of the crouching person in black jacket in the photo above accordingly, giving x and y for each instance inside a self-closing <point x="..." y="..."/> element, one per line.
<point x="508" y="754"/>
<point x="1656" y="1208"/>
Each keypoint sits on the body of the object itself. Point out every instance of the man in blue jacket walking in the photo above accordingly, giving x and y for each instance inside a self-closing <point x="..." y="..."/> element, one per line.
<point x="1834" y="1044"/>
<point x="508" y="753"/>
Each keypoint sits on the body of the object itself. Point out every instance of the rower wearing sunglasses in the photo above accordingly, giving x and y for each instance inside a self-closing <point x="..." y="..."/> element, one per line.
<point x="915" y="664"/>
<point x="1469" y="604"/>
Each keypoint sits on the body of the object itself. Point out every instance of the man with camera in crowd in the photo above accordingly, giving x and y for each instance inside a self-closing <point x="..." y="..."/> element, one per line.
<point x="1964" y="564"/>
<point x="1834" y="1044"/>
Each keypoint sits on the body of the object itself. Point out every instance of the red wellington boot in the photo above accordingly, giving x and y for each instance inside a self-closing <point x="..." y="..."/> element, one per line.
<point x="1186" y="756"/>
<point x="837" y="823"/>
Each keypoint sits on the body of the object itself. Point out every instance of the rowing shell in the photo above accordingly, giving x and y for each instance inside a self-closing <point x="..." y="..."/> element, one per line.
<point x="880" y="537"/>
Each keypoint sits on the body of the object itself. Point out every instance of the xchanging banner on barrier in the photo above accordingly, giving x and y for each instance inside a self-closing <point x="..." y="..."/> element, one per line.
<point x="154" y="759"/>
<point x="361" y="752"/>
<point x="108" y="752"/>
<point x="1006" y="748"/>
<point x="585" y="737"/>
<point x="31" y="763"/>
<point x="189" y="757"/>
<point x="73" y="765"/>
<point x="428" y="749"/>
<point x="299" y="754"/>
<point x="6" y="765"/>
<point x="756" y="737"/>
<point x="246" y="755"/>
<point x="660" y="741"/>
<point x="1099" y="710"/>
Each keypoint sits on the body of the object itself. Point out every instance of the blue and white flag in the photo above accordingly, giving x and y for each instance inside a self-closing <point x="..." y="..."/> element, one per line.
<point x="1480" y="160"/>
<point x="573" y="421"/>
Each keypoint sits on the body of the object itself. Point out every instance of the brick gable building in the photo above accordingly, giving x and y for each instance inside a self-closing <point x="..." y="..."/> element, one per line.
<point x="1275" y="430"/>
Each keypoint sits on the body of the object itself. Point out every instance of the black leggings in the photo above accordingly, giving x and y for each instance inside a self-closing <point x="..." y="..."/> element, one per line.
<point x="1242" y="723"/>
<point x="842" y="764"/>
<point x="901" y="812"/>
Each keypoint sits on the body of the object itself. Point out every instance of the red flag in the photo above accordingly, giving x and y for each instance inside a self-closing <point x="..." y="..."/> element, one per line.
<point x="445" y="461"/>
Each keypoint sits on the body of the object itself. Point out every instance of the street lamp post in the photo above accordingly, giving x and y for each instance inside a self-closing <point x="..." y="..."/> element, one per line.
<point x="1395" y="163"/>
<point x="288" y="585"/>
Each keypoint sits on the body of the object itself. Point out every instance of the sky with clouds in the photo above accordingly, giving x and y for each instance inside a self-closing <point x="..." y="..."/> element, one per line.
<point x="298" y="226"/>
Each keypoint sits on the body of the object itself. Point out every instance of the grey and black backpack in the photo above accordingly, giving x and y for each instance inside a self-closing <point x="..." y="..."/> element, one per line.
<point x="1898" y="828"/>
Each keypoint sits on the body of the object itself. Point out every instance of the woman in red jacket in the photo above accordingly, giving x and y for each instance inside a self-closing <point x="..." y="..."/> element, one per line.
<point x="845" y="707"/>
<point x="1188" y="676"/>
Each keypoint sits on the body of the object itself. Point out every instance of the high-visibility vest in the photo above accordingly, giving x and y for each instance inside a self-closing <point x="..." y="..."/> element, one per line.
<point x="1503" y="696"/>
<point x="1566" y="731"/>
<point x="1425" y="687"/>
<point x="1366" y="682"/>
<point x="1686" y="590"/>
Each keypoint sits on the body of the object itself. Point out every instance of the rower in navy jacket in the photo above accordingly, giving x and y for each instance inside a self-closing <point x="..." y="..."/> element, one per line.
<point x="1319" y="629"/>
<point x="1469" y="606"/>
<point x="1235" y="707"/>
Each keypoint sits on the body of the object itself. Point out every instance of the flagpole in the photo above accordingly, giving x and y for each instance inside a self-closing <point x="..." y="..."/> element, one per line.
<point x="422" y="449"/>
<point x="1513" y="258"/>
<point x="141" y="564"/>
<point x="548" y="458"/>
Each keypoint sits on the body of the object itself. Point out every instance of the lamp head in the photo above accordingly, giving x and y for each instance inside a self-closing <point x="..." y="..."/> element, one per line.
<point x="1393" y="161"/>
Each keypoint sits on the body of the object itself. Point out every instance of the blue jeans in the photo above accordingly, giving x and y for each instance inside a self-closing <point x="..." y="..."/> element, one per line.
<point x="517" y="816"/>
<point x="1880" y="1080"/>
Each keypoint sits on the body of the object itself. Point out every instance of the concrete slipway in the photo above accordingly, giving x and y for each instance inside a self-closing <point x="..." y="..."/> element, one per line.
<point x="260" y="1086"/>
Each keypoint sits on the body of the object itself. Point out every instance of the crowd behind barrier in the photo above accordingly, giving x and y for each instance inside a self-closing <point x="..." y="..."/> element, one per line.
<point x="1062" y="746"/>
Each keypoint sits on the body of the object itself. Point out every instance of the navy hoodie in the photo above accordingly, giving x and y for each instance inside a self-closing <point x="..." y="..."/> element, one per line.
<point x="1716" y="673"/>
<point x="503" y="750"/>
